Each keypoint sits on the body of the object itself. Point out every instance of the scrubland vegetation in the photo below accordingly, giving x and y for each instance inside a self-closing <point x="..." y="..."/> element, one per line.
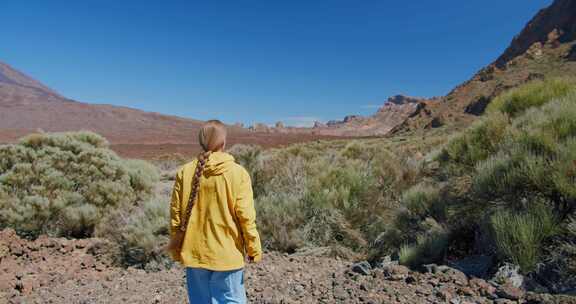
<point x="504" y="187"/>
<point x="72" y="185"/>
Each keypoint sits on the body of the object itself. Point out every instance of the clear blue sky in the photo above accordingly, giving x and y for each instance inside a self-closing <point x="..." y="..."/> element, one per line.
<point x="259" y="61"/>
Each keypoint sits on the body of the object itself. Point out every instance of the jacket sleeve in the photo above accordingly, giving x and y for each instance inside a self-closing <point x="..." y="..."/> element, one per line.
<point x="246" y="215"/>
<point x="175" y="204"/>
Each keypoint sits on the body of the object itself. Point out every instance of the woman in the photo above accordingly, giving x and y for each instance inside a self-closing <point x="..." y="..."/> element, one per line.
<point x="213" y="228"/>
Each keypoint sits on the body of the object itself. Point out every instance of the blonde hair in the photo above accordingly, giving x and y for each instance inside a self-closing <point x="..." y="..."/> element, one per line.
<point x="212" y="138"/>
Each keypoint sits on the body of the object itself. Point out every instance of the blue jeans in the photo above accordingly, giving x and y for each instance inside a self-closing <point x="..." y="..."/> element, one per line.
<point x="215" y="287"/>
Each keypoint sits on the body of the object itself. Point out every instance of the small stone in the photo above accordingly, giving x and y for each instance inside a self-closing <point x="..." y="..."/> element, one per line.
<point x="16" y="249"/>
<point x="444" y="295"/>
<point x="4" y="250"/>
<point x="431" y="268"/>
<point x="509" y="273"/>
<point x="410" y="280"/>
<point x="396" y="272"/>
<point x="362" y="268"/>
<point x="508" y="291"/>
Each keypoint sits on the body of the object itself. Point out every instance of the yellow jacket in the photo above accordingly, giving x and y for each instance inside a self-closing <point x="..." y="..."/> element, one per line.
<point x="222" y="225"/>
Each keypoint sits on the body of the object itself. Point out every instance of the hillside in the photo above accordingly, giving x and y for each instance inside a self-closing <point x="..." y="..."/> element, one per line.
<point x="27" y="106"/>
<point x="546" y="47"/>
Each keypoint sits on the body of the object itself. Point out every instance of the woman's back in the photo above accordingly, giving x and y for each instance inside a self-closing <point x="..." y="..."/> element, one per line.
<point x="222" y="225"/>
<point x="213" y="221"/>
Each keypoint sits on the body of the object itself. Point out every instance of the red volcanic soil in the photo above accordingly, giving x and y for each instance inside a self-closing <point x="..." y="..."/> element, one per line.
<point x="267" y="140"/>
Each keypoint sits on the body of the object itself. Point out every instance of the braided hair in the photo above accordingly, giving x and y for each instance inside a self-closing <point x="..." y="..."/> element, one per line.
<point x="202" y="160"/>
<point x="212" y="138"/>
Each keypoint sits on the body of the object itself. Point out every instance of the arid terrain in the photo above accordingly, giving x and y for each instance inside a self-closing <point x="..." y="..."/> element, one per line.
<point x="57" y="270"/>
<point x="480" y="181"/>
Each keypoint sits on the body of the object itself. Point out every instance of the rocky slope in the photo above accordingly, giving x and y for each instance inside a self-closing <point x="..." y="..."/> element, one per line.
<point x="546" y="47"/>
<point x="27" y="106"/>
<point x="56" y="270"/>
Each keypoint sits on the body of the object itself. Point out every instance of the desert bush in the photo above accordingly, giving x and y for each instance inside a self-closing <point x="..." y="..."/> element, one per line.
<point x="251" y="158"/>
<point x="311" y="195"/>
<point x="429" y="247"/>
<point x="280" y="220"/>
<point x="519" y="236"/>
<point x="489" y="177"/>
<point x="424" y="201"/>
<point x="537" y="157"/>
<point x="65" y="183"/>
<point x="512" y="176"/>
<point x="564" y="174"/>
<point x="478" y="142"/>
<point x="534" y="94"/>
<point x="140" y="230"/>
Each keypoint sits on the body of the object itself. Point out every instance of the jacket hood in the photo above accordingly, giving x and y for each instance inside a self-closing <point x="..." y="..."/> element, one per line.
<point x="218" y="163"/>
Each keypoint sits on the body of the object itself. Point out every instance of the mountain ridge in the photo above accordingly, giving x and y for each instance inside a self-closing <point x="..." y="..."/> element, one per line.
<point x="28" y="106"/>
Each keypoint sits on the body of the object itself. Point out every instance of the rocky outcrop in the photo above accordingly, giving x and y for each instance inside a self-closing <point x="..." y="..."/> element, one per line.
<point x="400" y="100"/>
<point x="393" y="112"/>
<point x="549" y="37"/>
<point x="555" y="23"/>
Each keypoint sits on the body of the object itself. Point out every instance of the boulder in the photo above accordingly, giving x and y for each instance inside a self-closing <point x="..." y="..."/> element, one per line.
<point x="509" y="273"/>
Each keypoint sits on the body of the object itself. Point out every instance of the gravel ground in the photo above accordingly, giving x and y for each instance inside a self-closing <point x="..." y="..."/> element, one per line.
<point x="56" y="270"/>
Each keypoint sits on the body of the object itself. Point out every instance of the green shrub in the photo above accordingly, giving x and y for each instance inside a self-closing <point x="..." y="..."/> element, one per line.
<point x="555" y="121"/>
<point x="280" y="220"/>
<point x="65" y="183"/>
<point x="534" y="94"/>
<point x="311" y="195"/>
<point x="424" y="201"/>
<point x="139" y="230"/>
<point x="428" y="248"/>
<point x="512" y="176"/>
<point x="537" y="157"/>
<point x="250" y="157"/>
<point x="478" y="142"/>
<point x="519" y="236"/>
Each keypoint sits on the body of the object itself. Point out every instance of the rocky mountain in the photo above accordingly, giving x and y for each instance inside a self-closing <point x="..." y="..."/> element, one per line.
<point x="546" y="47"/>
<point x="28" y="106"/>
